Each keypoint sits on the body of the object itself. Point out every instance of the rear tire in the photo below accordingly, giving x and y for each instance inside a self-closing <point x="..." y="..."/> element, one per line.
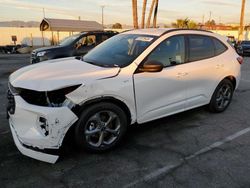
<point x="222" y="96"/>
<point x="101" y="127"/>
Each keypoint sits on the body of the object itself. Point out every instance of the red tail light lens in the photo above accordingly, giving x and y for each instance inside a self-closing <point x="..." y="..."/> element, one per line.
<point x="240" y="59"/>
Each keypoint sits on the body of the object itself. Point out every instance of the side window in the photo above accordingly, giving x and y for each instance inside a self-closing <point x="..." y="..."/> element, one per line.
<point x="80" y="43"/>
<point x="104" y="37"/>
<point x="169" y="52"/>
<point x="200" y="47"/>
<point x="91" y="40"/>
<point x="219" y="47"/>
<point x="101" y="37"/>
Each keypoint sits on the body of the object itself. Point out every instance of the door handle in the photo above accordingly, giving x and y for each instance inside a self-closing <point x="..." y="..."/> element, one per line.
<point x="219" y="66"/>
<point x="181" y="74"/>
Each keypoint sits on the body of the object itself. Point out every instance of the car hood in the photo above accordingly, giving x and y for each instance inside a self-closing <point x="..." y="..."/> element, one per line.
<point x="245" y="45"/>
<point x="51" y="48"/>
<point x="61" y="73"/>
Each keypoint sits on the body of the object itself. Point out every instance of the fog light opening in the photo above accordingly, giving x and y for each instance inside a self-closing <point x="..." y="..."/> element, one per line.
<point x="44" y="126"/>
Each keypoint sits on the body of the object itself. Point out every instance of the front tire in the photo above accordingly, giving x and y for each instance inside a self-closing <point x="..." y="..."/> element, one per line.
<point x="101" y="127"/>
<point x="222" y="96"/>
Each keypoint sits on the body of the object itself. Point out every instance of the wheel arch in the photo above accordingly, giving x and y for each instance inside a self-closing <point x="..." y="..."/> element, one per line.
<point x="108" y="99"/>
<point x="79" y="108"/>
<point x="232" y="79"/>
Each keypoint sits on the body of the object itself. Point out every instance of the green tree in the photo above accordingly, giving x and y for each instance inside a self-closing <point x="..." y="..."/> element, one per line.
<point x="192" y="25"/>
<point x="117" y="26"/>
<point x="185" y="23"/>
<point x="210" y="23"/>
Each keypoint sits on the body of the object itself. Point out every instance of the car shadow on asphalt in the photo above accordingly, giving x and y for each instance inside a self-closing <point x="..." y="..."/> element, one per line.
<point x="170" y="124"/>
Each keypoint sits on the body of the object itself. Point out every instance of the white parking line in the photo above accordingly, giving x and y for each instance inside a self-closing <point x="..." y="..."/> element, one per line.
<point x="245" y="80"/>
<point x="168" y="168"/>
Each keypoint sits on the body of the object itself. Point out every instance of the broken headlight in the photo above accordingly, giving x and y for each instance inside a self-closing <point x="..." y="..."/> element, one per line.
<point x="54" y="98"/>
<point x="57" y="98"/>
<point x="40" y="54"/>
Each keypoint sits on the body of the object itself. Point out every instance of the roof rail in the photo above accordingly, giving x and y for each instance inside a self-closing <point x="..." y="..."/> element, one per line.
<point x="183" y="29"/>
<point x="103" y="31"/>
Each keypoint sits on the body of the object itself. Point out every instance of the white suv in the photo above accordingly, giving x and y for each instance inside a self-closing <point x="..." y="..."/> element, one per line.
<point x="134" y="77"/>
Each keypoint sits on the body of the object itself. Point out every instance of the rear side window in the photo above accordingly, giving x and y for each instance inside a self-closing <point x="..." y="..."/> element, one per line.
<point x="200" y="47"/>
<point x="219" y="47"/>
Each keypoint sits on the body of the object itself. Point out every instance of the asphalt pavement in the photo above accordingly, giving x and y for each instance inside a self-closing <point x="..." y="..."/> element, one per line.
<point x="192" y="149"/>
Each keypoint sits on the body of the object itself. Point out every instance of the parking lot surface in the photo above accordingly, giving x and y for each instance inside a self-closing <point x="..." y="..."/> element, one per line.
<point x="191" y="149"/>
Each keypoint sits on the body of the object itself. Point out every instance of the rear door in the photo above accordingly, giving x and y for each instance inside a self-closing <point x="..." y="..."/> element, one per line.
<point x="203" y="69"/>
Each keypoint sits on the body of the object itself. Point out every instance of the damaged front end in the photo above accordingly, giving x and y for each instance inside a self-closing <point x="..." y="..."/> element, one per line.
<point x="39" y="120"/>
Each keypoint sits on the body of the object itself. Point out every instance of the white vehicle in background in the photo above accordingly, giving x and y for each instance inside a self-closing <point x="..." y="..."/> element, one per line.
<point x="134" y="77"/>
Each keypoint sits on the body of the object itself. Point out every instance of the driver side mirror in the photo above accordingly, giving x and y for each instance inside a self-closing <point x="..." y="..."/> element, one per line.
<point x="151" y="66"/>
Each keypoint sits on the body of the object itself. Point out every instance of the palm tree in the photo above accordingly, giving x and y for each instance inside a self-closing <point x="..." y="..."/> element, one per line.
<point x="150" y="13"/>
<point x="135" y="16"/>
<point x="242" y="20"/>
<point x="155" y="13"/>
<point x="143" y="13"/>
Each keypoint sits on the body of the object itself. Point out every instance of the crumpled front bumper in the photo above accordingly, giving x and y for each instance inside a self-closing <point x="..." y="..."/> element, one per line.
<point x="29" y="133"/>
<point x="32" y="153"/>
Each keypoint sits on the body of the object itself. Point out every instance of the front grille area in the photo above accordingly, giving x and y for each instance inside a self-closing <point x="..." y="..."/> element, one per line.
<point x="33" y="55"/>
<point x="11" y="106"/>
<point x="33" y="58"/>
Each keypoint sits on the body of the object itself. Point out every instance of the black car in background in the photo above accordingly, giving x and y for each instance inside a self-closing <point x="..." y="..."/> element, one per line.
<point x="75" y="45"/>
<point x="243" y="48"/>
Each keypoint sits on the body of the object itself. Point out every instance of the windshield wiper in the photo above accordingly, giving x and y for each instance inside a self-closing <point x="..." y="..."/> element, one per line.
<point x="99" y="64"/>
<point x="90" y="62"/>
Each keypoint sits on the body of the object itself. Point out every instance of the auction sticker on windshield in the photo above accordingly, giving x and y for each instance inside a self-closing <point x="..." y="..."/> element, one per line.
<point x="144" y="39"/>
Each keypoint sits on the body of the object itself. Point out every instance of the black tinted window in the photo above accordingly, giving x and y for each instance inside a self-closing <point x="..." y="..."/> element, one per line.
<point x="170" y="51"/>
<point x="219" y="47"/>
<point x="245" y="42"/>
<point x="200" y="47"/>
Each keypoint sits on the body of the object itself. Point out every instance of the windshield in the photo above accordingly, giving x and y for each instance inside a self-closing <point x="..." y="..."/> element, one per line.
<point x="119" y="51"/>
<point x="245" y="42"/>
<point x="68" y="40"/>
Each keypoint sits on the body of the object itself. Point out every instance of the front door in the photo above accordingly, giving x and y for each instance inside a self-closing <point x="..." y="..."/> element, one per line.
<point x="162" y="93"/>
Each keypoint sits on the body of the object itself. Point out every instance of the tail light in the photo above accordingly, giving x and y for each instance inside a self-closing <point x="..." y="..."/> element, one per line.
<point x="240" y="59"/>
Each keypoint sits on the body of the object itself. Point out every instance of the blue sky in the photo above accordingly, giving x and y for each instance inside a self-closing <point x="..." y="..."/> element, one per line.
<point x="228" y="11"/>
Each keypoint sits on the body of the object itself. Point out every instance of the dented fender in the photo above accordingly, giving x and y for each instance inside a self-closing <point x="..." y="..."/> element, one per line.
<point x="120" y="89"/>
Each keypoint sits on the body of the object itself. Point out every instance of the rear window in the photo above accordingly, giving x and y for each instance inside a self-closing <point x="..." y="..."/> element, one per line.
<point x="200" y="47"/>
<point x="219" y="47"/>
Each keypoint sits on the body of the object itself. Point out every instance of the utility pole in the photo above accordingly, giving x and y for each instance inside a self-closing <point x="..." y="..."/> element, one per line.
<point x="143" y="13"/>
<point x="240" y="37"/>
<point x="155" y="13"/>
<point x="42" y="30"/>
<point x="210" y="15"/>
<point x="102" y="15"/>
<point x="135" y="16"/>
<point x="43" y="13"/>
